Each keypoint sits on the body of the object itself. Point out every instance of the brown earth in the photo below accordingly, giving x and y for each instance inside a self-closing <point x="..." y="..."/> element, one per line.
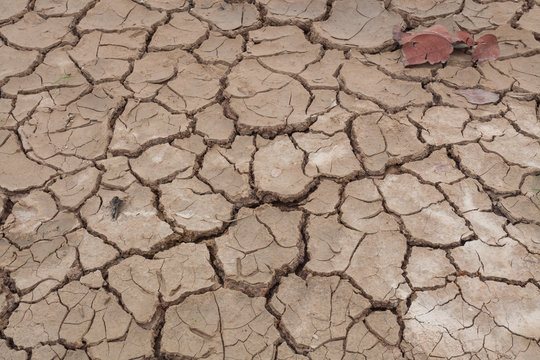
<point x="264" y="180"/>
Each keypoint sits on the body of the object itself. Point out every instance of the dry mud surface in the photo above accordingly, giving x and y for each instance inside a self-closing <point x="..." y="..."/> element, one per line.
<point x="265" y="180"/>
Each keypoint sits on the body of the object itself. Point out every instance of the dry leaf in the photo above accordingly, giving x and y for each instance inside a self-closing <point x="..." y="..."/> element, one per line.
<point x="478" y="96"/>
<point x="432" y="45"/>
<point x="463" y="38"/>
<point x="424" y="48"/>
<point x="487" y="49"/>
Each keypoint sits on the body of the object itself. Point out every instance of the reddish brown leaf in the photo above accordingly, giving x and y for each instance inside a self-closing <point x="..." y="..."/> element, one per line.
<point x="487" y="49"/>
<point x="464" y="37"/>
<point x="424" y="48"/>
<point x="478" y="96"/>
<point x="440" y="30"/>
<point x="432" y="45"/>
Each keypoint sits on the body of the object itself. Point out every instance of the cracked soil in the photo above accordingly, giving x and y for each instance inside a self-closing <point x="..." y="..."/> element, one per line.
<point x="263" y="179"/>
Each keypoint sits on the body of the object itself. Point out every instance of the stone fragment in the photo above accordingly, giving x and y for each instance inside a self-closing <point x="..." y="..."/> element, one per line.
<point x="221" y="49"/>
<point x="365" y="25"/>
<point x="283" y="49"/>
<point x="93" y="252"/>
<point x="17" y="171"/>
<point x="490" y="168"/>
<point x="53" y="31"/>
<point x="384" y="140"/>
<point x="331" y="245"/>
<point x="195" y="87"/>
<point x="142" y="124"/>
<point x="230" y="17"/>
<point x="264" y="101"/>
<point x="115" y="15"/>
<point x="324" y="199"/>
<point x="169" y="276"/>
<point x="405" y="195"/>
<point x="224" y="324"/>
<point x="295" y="11"/>
<point x="426" y="10"/>
<point x="278" y="169"/>
<point x="137" y="226"/>
<point x="372" y="84"/>
<point x="363" y="208"/>
<point x="262" y="243"/>
<point x="214" y="125"/>
<point x="436" y="168"/>
<point x="14" y="62"/>
<point x="183" y="31"/>
<point x="227" y="170"/>
<point x="376" y="267"/>
<point x="73" y="190"/>
<point x="61" y="7"/>
<point x="437" y="224"/>
<point x="194" y="207"/>
<point x="163" y="162"/>
<point x="106" y="56"/>
<point x="154" y="69"/>
<point x="117" y="173"/>
<point x="428" y="267"/>
<point x="318" y="309"/>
